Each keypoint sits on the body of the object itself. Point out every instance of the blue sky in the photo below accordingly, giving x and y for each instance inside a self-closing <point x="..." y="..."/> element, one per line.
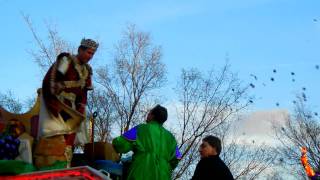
<point x="256" y="35"/>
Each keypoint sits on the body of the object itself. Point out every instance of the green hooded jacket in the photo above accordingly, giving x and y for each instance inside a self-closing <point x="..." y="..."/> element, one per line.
<point x="155" y="151"/>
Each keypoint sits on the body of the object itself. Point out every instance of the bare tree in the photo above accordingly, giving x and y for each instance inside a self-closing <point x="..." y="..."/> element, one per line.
<point x="301" y="129"/>
<point x="44" y="57"/>
<point x="49" y="48"/>
<point x="247" y="160"/>
<point x="99" y="102"/>
<point x="136" y="72"/>
<point x="10" y="103"/>
<point x="208" y="105"/>
<point x="275" y="176"/>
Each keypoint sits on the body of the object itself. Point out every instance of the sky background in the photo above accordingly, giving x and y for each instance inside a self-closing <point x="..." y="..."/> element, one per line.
<point x="257" y="36"/>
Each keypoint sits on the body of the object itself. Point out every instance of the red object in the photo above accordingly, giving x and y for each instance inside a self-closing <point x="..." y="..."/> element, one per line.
<point x="304" y="160"/>
<point x="84" y="173"/>
<point x="2" y="126"/>
<point x="34" y="126"/>
<point x="69" y="138"/>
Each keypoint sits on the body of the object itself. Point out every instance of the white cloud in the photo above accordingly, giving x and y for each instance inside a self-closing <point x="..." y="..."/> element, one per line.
<point x="254" y="126"/>
<point x="257" y="126"/>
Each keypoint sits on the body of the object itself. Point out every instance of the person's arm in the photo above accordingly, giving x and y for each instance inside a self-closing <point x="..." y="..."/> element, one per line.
<point x="63" y="62"/>
<point x="176" y="157"/>
<point x="59" y="70"/>
<point x="121" y="145"/>
<point x="52" y="86"/>
<point x="125" y="142"/>
<point x="89" y="85"/>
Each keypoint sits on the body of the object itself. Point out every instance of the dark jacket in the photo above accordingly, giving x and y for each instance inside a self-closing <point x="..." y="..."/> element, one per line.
<point x="211" y="168"/>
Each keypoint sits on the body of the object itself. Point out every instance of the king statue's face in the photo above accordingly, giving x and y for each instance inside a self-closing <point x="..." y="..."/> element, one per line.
<point x="86" y="55"/>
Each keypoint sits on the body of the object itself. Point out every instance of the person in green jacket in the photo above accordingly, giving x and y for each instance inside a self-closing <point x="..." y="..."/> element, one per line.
<point x="155" y="151"/>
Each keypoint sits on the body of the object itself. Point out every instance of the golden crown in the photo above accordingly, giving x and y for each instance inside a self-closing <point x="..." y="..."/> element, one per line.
<point x="89" y="43"/>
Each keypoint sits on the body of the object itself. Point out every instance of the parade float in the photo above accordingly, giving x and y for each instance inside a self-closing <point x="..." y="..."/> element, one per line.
<point x="22" y="156"/>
